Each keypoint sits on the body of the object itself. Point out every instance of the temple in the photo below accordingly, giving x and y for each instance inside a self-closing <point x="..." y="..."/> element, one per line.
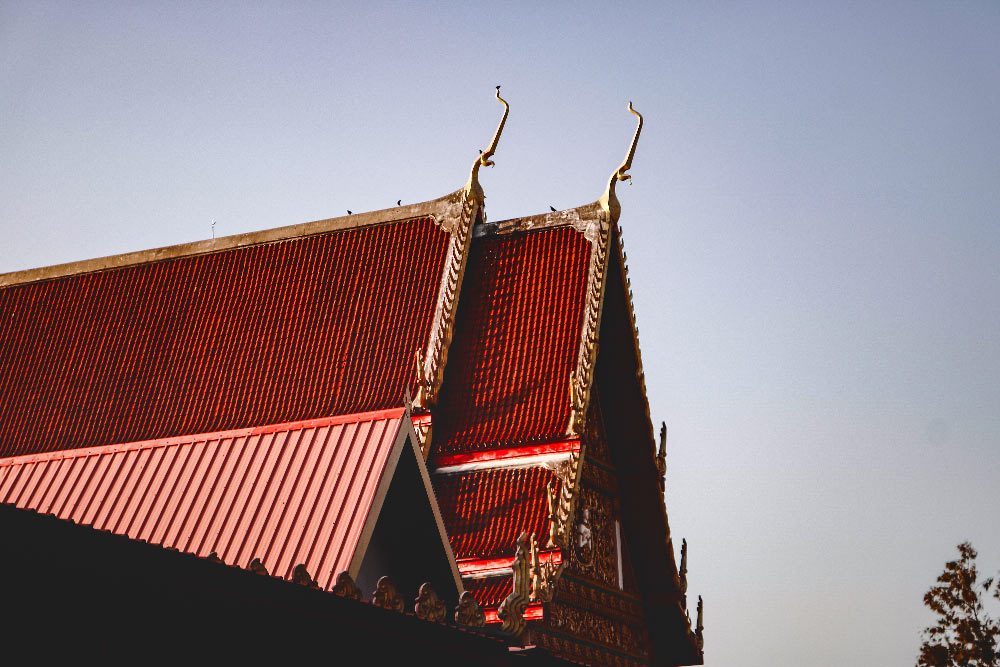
<point x="419" y="424"/>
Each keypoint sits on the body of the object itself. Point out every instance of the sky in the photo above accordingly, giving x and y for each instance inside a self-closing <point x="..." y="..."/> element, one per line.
<point x="813" y="233"/>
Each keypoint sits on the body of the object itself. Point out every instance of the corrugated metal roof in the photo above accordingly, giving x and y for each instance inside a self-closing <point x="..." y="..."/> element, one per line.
<point x="263" y="334"/>
<point x="287" y="494"/>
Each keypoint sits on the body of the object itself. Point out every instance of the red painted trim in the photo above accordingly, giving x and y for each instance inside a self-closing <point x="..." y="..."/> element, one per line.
<point x="554" y="447"/>
<point x="469" y="566"/>
<point x="377" y="415"/>
<point x="534" y="612"/>
<point x="421" y="420"/>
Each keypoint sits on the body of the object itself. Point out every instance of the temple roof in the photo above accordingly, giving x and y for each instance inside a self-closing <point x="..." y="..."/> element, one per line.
<point x="299" y="323"/>
<point x="516" y="341"/>
<point x="488" y="509"/>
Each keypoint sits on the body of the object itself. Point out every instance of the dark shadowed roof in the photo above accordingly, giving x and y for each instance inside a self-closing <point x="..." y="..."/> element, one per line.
<point x="485" y="511"/>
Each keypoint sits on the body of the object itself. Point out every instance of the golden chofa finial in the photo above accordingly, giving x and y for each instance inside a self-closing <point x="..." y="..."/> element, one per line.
<point x="484" y="156"/>
<point x="610" y="201"/>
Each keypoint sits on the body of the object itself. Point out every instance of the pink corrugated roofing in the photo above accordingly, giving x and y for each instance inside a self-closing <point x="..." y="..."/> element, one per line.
<point x="287" y="494"/>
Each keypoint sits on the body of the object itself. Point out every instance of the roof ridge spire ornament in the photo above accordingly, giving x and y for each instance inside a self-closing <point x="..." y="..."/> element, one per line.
<point x="682" y="573"/>
<point x="484" y="160"/>
<point x="609" y="202"/>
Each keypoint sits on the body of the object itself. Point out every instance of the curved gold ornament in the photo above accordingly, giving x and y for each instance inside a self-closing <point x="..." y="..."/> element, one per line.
<point x="610" y="201"/>
<point x="484" y="158"/>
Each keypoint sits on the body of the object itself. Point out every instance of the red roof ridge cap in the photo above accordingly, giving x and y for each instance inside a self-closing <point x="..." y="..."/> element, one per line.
<point x="443" y="210"/>
<point x="83" y="452"/>
<point x="514" y="456"/>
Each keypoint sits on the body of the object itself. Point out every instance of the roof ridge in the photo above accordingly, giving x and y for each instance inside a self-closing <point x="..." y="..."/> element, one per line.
<point x="579" y="217"/>
<point x="440" y="210"/>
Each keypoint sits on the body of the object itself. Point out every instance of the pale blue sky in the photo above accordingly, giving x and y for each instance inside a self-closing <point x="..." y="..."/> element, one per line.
<point x="813" y="231"/>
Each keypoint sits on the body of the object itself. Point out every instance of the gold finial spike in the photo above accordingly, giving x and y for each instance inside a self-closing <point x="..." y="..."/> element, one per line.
<point x="610" y="201"/>
<point x="661" y="455"/>
<point x="699" y="629"/>
<point x="683" y="573"/>
<point x="627" y="164"/>
<point x="484" y="157"/>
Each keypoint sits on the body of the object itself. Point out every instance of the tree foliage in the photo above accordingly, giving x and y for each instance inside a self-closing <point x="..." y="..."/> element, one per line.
<point x="964" y="635"/>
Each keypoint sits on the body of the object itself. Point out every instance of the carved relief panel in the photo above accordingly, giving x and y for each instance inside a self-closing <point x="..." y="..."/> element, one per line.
<point x="594" y="552"/>
<point x="595" y="628"/>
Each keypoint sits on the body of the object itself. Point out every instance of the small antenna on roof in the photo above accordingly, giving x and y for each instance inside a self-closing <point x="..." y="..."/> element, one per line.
<point x="213" y="228"/>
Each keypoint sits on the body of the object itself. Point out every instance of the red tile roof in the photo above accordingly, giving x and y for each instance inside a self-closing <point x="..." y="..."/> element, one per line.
<point x="516" y="341"/>
<point x="487" y="510"/>
<point x="287" y="494"/>
<point x="298" y="329"/>
<point x="490" y="591"/>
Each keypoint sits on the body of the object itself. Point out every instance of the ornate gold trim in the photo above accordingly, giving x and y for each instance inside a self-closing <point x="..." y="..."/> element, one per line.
<point x="661" y="454"/>
<point x="543" y="575"/>
<point x="609" y="202"/>
<point x="345" y="586"/>
<point x="257" y="567"/>
<point x="386" y="596"/>
<point x="582" y="378"/>
<point x="468" y="612"/>
<point x="562" y="504"/>
<point x="431" y="364"/>
<point x="301" y="576"/>
<point x="683" y="571"/>
<point x="484" y="160"/>
<point x="428" y="605"/>
<point x="511" y="610"/>
<point x="699" y="629"/>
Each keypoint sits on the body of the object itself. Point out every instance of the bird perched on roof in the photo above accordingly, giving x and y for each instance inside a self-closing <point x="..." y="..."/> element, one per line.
<point x="552" y="208"/>
<point x="399" y="202"/>
<point x="349" y="212"/>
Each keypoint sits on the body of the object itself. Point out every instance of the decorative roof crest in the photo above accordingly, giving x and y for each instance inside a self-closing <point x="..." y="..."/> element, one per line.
<point x="468" y="612"/>
<point x="699" y="629"/>
<point x="386" y="596"/>
<point x="609" y="202"/>
<point x="345" y="586"/>
<point x="428" y="605"/>
<point x="511" y="610"/>
<point x="661" y="455"/>
<point x="484" y="160"/>
<point x="682" y="574"/>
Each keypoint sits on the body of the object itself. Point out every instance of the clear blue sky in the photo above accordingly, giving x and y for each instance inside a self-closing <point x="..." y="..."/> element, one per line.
<point x="813" y="230"/>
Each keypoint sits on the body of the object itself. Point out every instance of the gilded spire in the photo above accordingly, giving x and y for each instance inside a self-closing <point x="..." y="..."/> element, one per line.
<point x="661" y="455"/>
<point x="699" y="629"/>
<point x="683" y="573"/>
<point x="610" y="201"/>
<point x="484" y="157"/>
